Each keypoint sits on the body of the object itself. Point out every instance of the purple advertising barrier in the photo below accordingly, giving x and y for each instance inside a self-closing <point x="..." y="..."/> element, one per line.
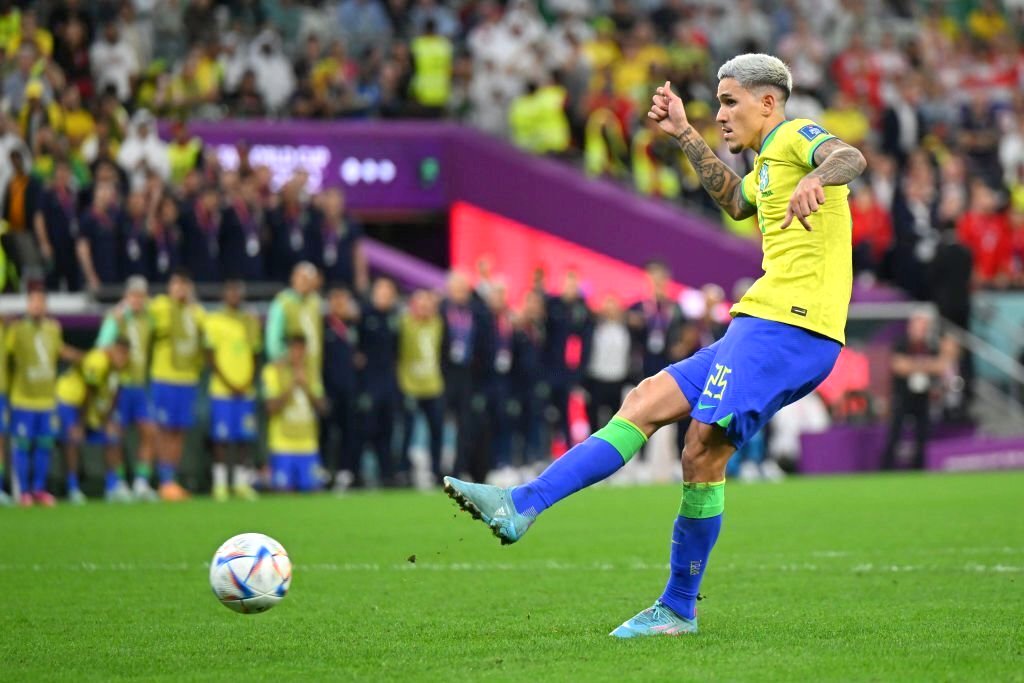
<point x="846" y="448"/>
<point x="407" y="270"/>
<point x="426" y="166"/>
<point x="957" y="455"/>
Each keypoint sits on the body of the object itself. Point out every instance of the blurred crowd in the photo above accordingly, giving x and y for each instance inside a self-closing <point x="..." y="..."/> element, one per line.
<point x="930" y="91"/>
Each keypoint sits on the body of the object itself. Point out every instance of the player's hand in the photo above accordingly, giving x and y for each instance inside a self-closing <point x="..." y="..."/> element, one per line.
<point x="667" y="111"/>
<point x="807" y="197"/>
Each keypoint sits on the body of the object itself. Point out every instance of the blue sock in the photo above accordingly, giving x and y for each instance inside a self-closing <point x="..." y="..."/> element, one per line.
<point x="73" y="484"/>
<point x="693" y="536"/>
<point x="40" y="467"/>
<point x="111" y="481"/>
<point x="586" y="463"/>
<point x="165" y="473"/>
<point x="22" y="465"/>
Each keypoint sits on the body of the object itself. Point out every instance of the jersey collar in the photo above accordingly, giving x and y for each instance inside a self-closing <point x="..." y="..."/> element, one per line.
<point x="771" y="136"/>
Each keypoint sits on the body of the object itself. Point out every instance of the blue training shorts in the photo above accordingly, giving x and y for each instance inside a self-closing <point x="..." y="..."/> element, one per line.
<point x="232" y="420"/>
<point x="174" y="404"/>
<point x="132" y="405"/>
<point x="744" y="378"/>
<point x="70" y="416"/>
<point x="3" y="414"/>
<point x="293" y="472"/>
<point x="29" y="425"/>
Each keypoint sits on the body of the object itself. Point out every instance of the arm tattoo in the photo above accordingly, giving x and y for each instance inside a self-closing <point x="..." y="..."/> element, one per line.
<point x="838" y="163"/>
<point x="720" y="181"/>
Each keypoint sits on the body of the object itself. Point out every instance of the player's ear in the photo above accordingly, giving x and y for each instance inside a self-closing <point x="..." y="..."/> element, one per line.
<point x="768" y="102"/>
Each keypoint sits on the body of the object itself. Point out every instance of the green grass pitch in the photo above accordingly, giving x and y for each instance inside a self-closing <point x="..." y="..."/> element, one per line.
<point x="898" y="578"/>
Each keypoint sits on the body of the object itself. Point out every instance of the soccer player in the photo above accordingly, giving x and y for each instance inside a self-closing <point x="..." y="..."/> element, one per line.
<point x="783" y="341"/>
<point x="232" y="343"/>
<point x="86" y="403"/>
<point x="33" y="344"/>
<point x="294" y="400"/>
<point x="130" y="319"/>
<point x="177" y="362"/>
<point x="297" y="310"/>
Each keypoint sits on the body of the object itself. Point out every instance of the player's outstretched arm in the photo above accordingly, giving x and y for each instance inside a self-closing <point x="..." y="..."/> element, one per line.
<point x="837" y="164"/>
<point x="720" y="181"/>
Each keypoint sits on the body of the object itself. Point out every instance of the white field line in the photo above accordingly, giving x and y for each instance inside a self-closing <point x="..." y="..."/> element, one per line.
<point x="526" y="566"/>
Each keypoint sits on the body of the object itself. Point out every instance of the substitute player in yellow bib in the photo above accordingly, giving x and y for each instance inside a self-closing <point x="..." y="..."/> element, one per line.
<point x="785" y="337"/>
<point x="294" y="400"/>
<point x="87" y="396"/>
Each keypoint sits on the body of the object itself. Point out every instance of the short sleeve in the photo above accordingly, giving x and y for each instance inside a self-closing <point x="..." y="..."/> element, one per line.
<point x="209" y="328"/>
<point x="161" y="316"/>
<point x="108" y="331"/>
<point x="271" y="382"/>
<point x="252" y="328"/>
<point x="805" y="142"/>
<point x="748" y="188"/>
<point x="94" y="369"/>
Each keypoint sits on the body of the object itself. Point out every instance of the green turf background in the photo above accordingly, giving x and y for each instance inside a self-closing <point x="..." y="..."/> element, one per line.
<point x="898" y="578"/>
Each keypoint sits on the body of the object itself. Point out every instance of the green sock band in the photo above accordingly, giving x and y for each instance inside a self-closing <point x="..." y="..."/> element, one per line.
<point x="701" y="501"/>
<point x="143" y="470"/>
<point x="624" y="436"/>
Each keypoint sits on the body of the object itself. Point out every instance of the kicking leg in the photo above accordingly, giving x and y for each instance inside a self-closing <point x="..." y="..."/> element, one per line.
<point x="656" y="402"/>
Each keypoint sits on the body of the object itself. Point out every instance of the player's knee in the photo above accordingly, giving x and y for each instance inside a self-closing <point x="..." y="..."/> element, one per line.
<point x="639" y="405"/>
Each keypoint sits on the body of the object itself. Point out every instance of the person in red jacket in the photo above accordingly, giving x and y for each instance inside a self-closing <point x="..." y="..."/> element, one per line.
<point x="985" y="230"/>
<point x="872" y="230"/>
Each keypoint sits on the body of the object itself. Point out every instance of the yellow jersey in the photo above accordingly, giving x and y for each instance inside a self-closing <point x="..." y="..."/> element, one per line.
<point x="293" y="430"/>
<point x="808" y="275"/>
<point x="93" y="376"/>
<point x="177" y="352"/>
<point x="234" y="339"/>
<point x="33" y="348"/>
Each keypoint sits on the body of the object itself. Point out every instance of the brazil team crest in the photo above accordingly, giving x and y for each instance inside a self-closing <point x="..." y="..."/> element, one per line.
<point x="762" y="177"/>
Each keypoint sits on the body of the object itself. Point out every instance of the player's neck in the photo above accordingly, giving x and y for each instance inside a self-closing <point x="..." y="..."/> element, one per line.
<point x="770" y="126"/>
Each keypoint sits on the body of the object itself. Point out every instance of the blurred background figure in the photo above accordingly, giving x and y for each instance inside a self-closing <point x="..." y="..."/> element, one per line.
<point x="378" y="403"/>
<point x="420" y="337"/>
<point x="917" y="365"/>
<point x="342" y="453"/>
<point x="233" y="342"/>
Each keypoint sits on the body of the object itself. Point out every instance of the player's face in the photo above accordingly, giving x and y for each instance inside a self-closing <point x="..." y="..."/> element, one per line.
<point x="36" y="305"/>
<point x="297" y="353"/>
<point x="118" y="356"/>
<point x="233" y="294"/>
<point x="136" y="301"/>
<point x="739" y="115"/>
<point x="179" y="288"/>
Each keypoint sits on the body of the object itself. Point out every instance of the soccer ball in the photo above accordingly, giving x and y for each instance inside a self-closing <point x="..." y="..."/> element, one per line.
<point x="250" y="573"/>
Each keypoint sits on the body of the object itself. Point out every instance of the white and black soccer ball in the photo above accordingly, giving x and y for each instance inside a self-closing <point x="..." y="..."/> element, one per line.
<point x="250" y="573"/>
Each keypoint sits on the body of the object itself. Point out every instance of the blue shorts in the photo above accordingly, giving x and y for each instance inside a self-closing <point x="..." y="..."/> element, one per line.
<point x="3" y="414"/>
<point x="32" y="425"/>
<point x="174" y="404"/>
<point x="744" y="378"/>
<point x="233" y="420"/>
<point x="133" y="406"/>
<point x="70" y="417"/>
<point x="293" y="472"/>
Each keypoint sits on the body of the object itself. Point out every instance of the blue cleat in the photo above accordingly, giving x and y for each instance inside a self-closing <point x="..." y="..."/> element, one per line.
<point x="657" y="620"/>
<point x="492" y="505"/>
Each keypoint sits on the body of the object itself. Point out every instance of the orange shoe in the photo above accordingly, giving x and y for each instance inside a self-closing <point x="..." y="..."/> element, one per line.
<point x="173" y="492"/>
